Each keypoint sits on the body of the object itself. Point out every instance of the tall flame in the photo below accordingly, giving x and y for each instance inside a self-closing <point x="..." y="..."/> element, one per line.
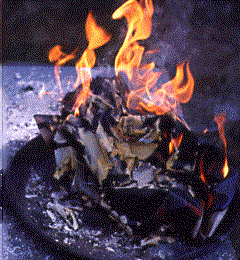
<point x="60" y="58"/>
<point x="220" y="120"/>
<point x="96" y="37"/>
<point x="146" y="94"/>
<point x="138" y="16"/>
<point x="143" y="78"/>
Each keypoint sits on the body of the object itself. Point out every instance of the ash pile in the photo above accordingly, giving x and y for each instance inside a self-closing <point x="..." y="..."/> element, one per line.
<point x="149" y="173"/>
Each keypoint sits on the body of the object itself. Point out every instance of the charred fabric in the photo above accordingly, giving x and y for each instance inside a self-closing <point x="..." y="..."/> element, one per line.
<point x="145" y="170"/>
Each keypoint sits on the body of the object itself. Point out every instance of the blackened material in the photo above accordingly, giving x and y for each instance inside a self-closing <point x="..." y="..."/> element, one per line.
<point x="107" y="121"/>
<point x="71" y="140"/>
<point x="81" y="183"/>
<point x="226" y="190"/>
<point x="26" y="89"/>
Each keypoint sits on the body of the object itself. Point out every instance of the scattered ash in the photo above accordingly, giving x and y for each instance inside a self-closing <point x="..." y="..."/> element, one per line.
<point x="94" y="228"/>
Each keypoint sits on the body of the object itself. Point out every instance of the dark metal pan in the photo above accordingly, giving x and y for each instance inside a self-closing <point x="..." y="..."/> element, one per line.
<point x="34" y="157"/>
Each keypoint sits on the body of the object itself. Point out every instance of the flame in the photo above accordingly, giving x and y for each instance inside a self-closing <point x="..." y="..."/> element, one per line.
<point x="143" y="95"/>
<point x="60" y="58"/>
<point x="220" y="120"/>
<point x="138" y="16"/>
<point x="205" y="131"/>
<point x="201" y="169"/>
<point x="175" y="143"/>
<point x="171" y="147"/>
<point x="146" y="94"/>
<point x="43" y="92"/>
<point x="96" y="37"/>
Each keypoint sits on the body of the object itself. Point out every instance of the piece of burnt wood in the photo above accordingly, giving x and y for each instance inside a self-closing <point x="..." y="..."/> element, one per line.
<point x="84" y="182"/>
<point x="47" y="125"/>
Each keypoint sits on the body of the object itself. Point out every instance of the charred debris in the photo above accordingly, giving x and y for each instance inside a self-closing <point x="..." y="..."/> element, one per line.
<point x="147" y="171"/>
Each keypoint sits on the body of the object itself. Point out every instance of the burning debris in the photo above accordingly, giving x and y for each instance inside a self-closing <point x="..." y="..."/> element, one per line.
<point x="122" y="144"/>
<point x="114" y="159"/>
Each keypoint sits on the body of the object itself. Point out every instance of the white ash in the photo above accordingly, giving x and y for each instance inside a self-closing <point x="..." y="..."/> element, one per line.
<point x="59" y="195"/>
<point x="154" y="240"/>
<point x="110" y="249"/>
<point x="124" y="219"/>
<point x="65" y="213"/>
<point x="190" y="190"/>
<point x="31" y="196"/>
<point x="51" y="215"/>
<point x="144" y="174"/>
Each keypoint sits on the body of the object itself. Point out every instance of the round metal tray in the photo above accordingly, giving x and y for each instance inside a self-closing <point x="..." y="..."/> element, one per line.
<point x="35" y="157"/>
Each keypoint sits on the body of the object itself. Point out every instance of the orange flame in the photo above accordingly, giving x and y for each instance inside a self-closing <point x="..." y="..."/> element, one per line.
<point x="205" y="131"/>
<point x="201" y="169"/>
<point x="220" y="120"/>
<point x="175" y="143"/>
<point x="145" y="93"/>
<point x="96" y="37"/>
<point x="143" y="78"/>
<point x="171" y="147"/>
<point x="60" y="58"/>
<point x="43" y="92"/>
<point x="138" y="16"/>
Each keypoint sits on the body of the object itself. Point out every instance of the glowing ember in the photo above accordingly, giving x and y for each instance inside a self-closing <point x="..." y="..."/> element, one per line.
<point x="175" y="143"/>
<point x="220" y="120"/>
<point x="201" y="169"/>
<point x="171" y="147"/>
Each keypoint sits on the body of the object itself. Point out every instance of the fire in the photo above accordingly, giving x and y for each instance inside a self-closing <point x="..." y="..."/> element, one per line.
<point x="144" y="95"/>
<point x="138" y="16"/>
<point x="96" y="37"/>
<point x="171" y="147"/>
<point x="201" y="169"/>
<point x="175" y="143"/>
<point x="60" y="58"/>
<point x="220" y="120"/>
<point x="43" y="92"/>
